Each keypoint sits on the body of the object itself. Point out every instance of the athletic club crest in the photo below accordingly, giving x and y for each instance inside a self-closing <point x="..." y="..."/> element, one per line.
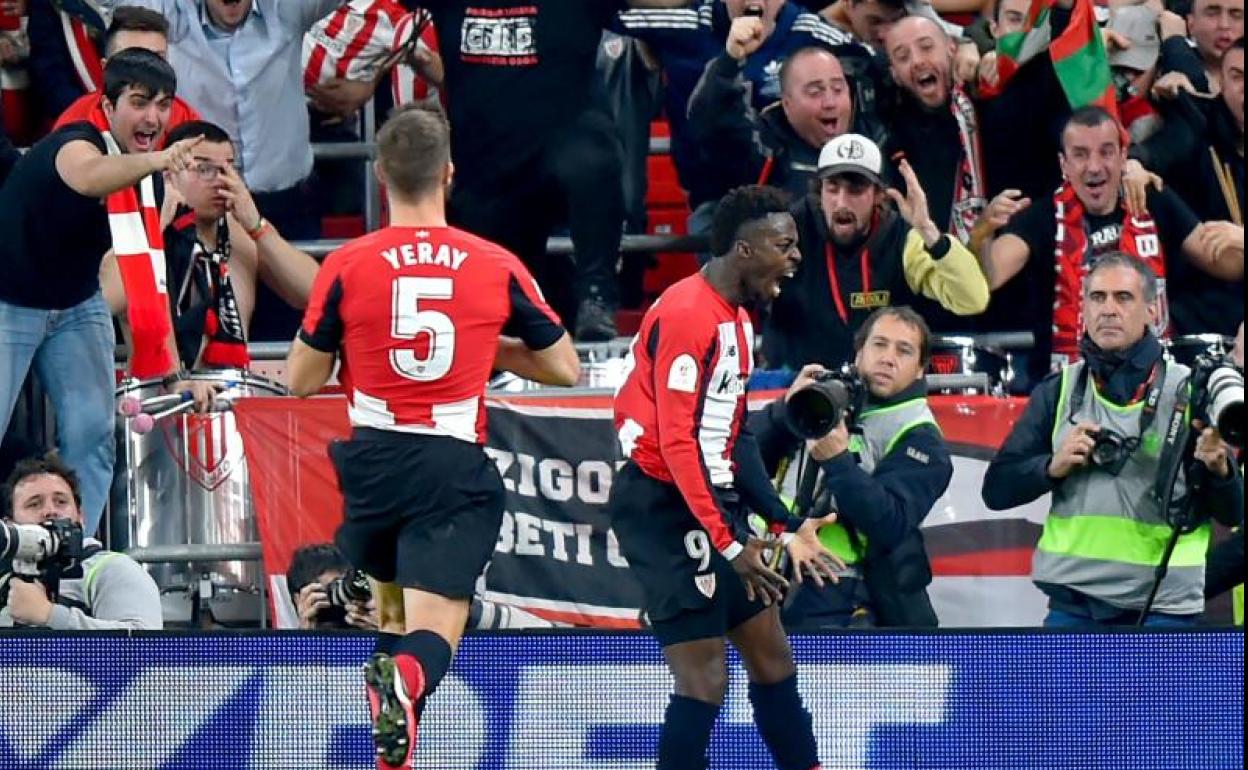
<point x="207" y="449"/>
<point x="705" y="584"/>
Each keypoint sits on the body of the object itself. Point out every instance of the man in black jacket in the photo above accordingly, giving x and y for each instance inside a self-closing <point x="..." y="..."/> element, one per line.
<point x="780" y="145"/>
<point x="1105" y="533"/>
<point x="863" y="256"/>
<point x="882" y="480"/>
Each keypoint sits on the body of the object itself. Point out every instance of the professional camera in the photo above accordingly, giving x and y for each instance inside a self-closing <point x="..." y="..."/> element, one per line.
<point x="352" y="586"/>
<point x="34" y="550"/>
<point x="816" y="409"/>
<point x="48" y="552"/>
<point x="1111" y="450"/>
<point x="1218" y="397"/>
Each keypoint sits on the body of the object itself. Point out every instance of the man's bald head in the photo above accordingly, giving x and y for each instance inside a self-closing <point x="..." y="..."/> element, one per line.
<point x="912" y="26"/>
<point x="815" y="96"/>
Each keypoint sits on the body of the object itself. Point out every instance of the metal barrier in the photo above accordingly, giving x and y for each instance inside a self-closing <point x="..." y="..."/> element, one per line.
<point x="195" y="554"/>
<point x="601" y="351"/>
<point x="629" y="244"/>
<point x="366" y="149"/>
<point x="659" y="145"/>
<point x="201" y="593"/>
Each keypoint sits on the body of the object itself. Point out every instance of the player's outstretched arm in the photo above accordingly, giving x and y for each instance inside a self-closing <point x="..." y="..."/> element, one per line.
<point x="553" y="365"/>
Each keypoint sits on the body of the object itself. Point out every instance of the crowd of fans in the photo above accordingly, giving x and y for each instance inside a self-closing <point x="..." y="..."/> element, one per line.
<point x="926" y="164"/>
<point x="751" y="90"/>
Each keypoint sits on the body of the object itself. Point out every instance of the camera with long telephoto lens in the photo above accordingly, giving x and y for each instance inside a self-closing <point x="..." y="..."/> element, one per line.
<point x="816" y="409"/>
<point x="1217" y="397"/>
<point x="51" y="550"/>
<point x="36" y="549"/>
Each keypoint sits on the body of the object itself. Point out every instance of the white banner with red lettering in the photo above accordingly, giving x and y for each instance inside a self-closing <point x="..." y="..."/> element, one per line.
<point x="556" y="555"/>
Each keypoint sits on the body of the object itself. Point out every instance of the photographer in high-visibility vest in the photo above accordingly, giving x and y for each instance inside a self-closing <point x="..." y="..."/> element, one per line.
<point x="881" y="469"/>
<point x="1094" y="437"/>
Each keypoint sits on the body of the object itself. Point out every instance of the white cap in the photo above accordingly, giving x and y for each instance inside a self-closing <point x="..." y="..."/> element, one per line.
<point x="851" y="154"/>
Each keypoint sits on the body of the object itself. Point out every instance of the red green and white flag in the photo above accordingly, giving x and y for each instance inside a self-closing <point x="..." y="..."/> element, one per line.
<point x="1078" y="54"/>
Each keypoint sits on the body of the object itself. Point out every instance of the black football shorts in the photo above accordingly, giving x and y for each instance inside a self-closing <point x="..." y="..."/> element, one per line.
<point x="420" y="511"/>
<point x="691" y="591"/>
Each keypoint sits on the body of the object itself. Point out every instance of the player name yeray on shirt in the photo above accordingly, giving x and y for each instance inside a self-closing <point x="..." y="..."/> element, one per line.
<point x="424" y="253"/>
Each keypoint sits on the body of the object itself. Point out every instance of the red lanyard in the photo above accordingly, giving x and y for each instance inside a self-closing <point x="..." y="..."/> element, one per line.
<point x="865" y="259"/>
<point x="765" y="174"/>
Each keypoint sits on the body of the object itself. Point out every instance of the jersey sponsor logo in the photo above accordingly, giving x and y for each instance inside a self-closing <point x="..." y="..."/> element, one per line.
<point x="731" y="383"/>
<point x="683" y="374"/>
<point x="705" y="584"/>
<point x="335" y="47"/>
<point x="864" y="300"/>
<point x="500" y="37"/>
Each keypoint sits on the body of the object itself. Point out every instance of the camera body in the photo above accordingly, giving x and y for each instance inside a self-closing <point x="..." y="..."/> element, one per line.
<point x="815" y="410"/>
<point x="352" y="586"/>
<point x="1111" y="450"/>
<point x="1217" y="399"/>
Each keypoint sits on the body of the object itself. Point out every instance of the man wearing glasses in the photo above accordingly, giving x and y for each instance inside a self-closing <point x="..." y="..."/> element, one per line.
<point x="216" y="245"/>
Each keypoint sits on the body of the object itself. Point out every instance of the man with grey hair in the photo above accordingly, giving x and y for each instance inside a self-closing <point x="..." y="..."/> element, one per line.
<point x="1093" y="437"/>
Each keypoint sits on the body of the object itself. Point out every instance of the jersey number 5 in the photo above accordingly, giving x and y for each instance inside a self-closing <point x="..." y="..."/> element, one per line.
<point x="409" y="322"/>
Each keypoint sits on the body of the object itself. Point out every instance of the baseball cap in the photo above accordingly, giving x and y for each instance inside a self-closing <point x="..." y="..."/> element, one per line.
<point x="851" y="154"/>
<point x="1137" y="23"/>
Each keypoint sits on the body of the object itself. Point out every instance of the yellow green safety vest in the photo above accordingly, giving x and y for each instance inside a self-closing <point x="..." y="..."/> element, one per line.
<point x="1105" y="535"/>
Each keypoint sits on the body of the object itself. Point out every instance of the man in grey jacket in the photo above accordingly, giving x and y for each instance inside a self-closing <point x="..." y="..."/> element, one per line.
<point x="114" y="591"/>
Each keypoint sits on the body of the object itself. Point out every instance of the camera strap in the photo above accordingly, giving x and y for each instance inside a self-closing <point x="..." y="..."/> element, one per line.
<point x="1155" y="382"/>
<point x="1174" y="452"/>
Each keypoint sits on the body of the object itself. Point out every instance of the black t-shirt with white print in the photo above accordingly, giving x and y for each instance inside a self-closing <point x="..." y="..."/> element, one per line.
<point x="517" y="71"/>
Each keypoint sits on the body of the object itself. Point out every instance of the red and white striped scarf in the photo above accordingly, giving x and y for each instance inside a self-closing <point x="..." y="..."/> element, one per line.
<point x="134" y="221"/>
<point x="969" y="199"/>
<point x="84" y="55"/>
<point x="1139" y="239"/>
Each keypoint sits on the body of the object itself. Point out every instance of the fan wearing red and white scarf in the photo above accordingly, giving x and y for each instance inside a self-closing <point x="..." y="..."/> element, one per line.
<point x="1139" y="239"/>
<point x="969" y="198"/>
<point x="138" y="245"/>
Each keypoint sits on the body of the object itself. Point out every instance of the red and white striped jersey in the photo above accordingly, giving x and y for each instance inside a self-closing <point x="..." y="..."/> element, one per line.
<point x="354" y="41"/>
<point x="415" y="314"/>
<point x="406" y="85"/>
<point x="683" y="402"/>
